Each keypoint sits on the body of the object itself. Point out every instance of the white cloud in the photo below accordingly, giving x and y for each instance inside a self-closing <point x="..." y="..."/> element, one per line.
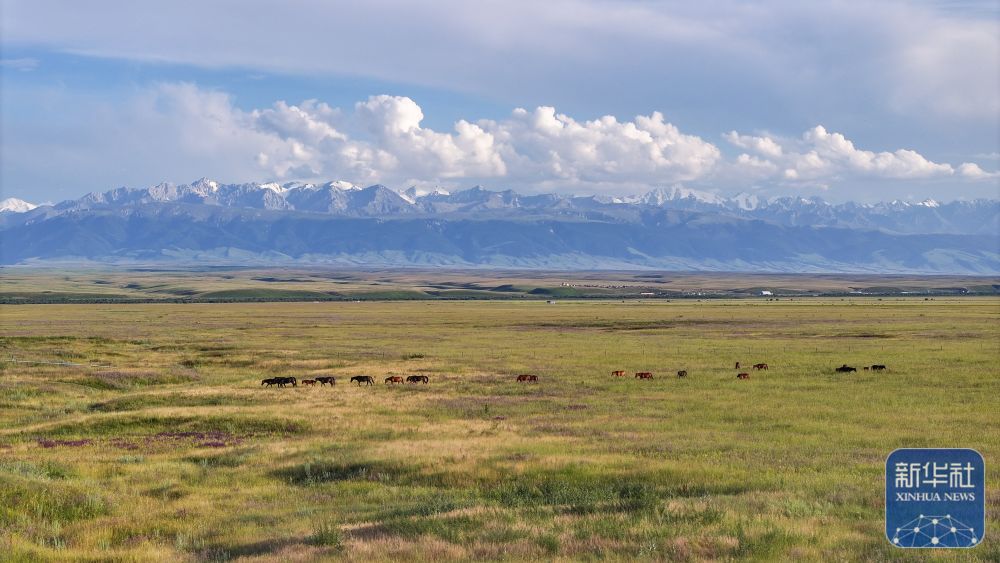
<point x="552" y="146"/>
<point x="824" y="155"/>
<point x="762" y="145"/>
<point x="383" y="140"/>
<point x="973" y="171"/>
<point x="178" y="131"/>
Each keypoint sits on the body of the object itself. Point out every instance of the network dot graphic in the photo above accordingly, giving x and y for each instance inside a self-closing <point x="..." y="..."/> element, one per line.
<point x="935" y="531"/>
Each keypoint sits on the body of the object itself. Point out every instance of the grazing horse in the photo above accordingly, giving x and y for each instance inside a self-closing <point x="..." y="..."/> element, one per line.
<point x="309" y="382"/>
<point x="682" y="373"/>
<point x="367" y="379"/>
<point x="878" y="367"/>
<point x="760" y="366"/>
<point x="527" y="378"/>
<point x="742" y="376"/>
<point x="417" y="379"/>
<point x="643" y="375"/>
<point x="846" y="369"/>
<point x="618" y="373"/>
<point x="394" y="379"/>
<point x="326" y="379"/>
<point x="737" y="365"/>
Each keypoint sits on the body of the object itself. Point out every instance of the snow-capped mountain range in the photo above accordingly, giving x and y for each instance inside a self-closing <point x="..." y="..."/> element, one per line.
<point x="347" y="199"/>
<point x="342" y="223"/>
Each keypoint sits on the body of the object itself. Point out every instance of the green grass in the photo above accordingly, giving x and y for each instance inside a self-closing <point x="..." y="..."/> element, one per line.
<point x="173" y="451"/>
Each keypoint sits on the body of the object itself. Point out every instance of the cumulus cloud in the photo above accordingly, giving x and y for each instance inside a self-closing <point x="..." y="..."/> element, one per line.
<point x="548" y="145"/>
<point x="821" y="155"/>
<point x="176" y="131"/>
<point x="382" y="139"/>
<point x="973" y="171"/>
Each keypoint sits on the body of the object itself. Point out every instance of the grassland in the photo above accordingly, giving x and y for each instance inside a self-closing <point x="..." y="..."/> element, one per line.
<point x="154" y="440"/>
<point x="48" y="285"/>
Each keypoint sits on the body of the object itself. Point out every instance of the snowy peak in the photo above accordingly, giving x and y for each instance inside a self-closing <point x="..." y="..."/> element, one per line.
<point x="660" y="196"/>
<point x="14" y="205"/>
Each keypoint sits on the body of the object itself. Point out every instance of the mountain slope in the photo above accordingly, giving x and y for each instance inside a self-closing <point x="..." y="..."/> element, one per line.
<point x="658" y="239"/>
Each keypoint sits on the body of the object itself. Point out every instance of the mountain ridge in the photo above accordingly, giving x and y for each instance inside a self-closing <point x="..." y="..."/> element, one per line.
<point x="342" y="223"/>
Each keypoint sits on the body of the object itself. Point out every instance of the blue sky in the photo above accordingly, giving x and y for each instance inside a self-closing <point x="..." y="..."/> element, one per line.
<point x="865" y="101"/>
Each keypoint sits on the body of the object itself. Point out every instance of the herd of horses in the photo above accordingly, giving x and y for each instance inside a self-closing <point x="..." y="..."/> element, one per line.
<point x="331" y="381"/>
<point x="522" y="378"/>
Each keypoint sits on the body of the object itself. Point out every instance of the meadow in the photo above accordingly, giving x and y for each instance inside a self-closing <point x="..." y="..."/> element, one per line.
<point x="149" y="437"/>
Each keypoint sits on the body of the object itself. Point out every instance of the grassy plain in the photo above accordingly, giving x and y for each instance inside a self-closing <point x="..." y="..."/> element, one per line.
<point x="44" y="285"/>
<point x="163" y="446"/>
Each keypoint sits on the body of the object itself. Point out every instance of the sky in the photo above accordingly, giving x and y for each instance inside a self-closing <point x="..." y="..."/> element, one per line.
<point x="863" y="101"/>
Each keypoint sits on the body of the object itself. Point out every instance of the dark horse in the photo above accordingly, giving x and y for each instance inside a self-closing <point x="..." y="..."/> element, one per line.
<point x="643" y="375"/>
<point x="527" y="378"/>
<point x="682" y="373"/>
<point x="280" y="381"/>
<point x="367" y="379"/>
<point x="760" y="366"/>
<point x="845" y="369"/>
<point x="742" y="376"/>
<point x="417" y="379"/>
<point x="878" y="367"/>
<point x="326" y="379"/>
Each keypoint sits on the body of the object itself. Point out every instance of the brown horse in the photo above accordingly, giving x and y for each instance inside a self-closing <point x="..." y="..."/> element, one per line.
<point x="618" y="373"/>
<point x="308" y="382"/>
<point x="742" y="376"/>
<point x="643" y="375"/>
<point x="417" y="379"/>
<point x="760" y="366"/>
<point x="682" y="373"/>
<point x="394" y="379"/>
<point x="527" y="378"/>
<point x="366" y="379"/>
<point x="326" y="380"/>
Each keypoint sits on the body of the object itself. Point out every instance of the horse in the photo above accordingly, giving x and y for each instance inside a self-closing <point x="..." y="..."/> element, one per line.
<point x="367" y="379"/>
<point x="682" y="373"/>
<point x="326" y="379"/>
<point x="845" y="369"/>
<point x="282" y="381"/>
<point x="527" y="378"/>
<point x="643" y="375"/>
<point x="866" y="368"/>
<point x="618" y="373"/>
<point x="737" y="365"/>
<point x="743" y="375"/>
<point x="417" y="379"/>
<point x="309" y="382"/>
<point x="394" y="379"/>
<point x="878" y="367"/>
<point x="760" y="366"/>
<point x="269" y="381"/>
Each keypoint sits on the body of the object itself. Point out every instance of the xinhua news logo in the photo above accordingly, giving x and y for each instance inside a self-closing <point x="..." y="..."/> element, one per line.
<point x="935" y="498"/>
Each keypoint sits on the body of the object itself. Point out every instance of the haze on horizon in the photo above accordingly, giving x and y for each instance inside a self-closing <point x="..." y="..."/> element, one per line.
<point x="890" y="100"/>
